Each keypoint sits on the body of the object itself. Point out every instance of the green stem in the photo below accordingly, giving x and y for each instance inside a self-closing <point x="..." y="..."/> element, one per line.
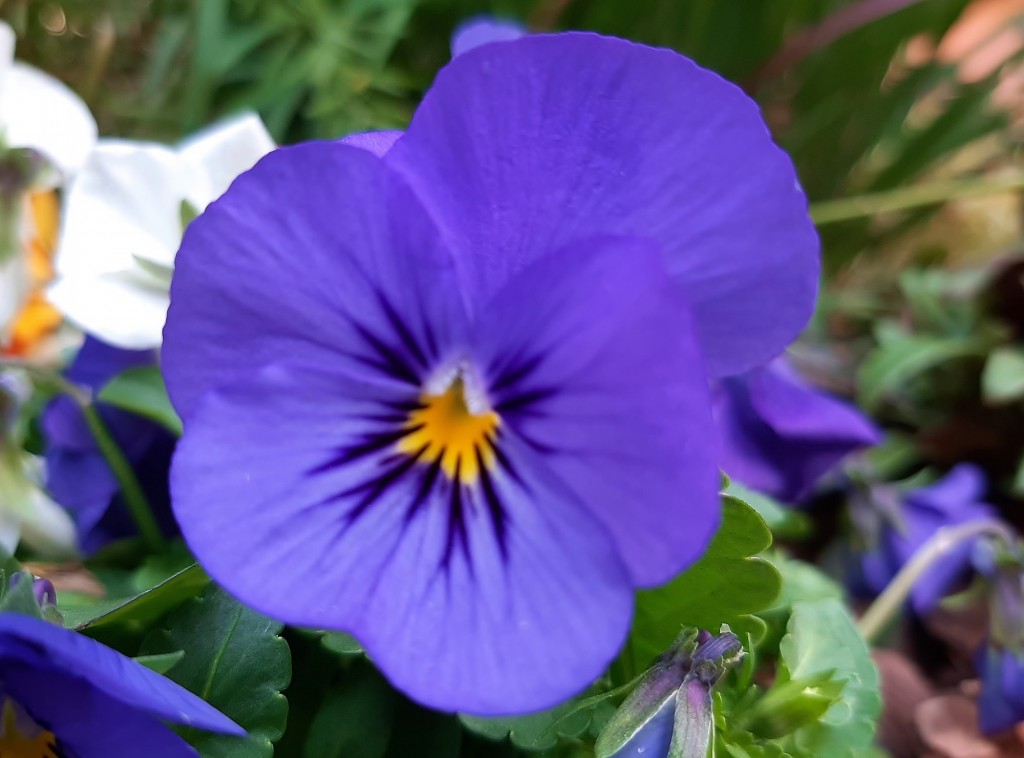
<point x="134" y="497"/>
<point x="907" y="198"/>
<point x="888" y="605"/>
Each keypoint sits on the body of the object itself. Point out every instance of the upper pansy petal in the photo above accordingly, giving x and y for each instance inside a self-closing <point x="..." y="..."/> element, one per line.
<point x="483" y="30"/>
<point x="588" y="356"/>
<point x="500" y="596"/>
<point x="41" y="112"/>
<point x="593" y="135"/>
<point x="119" y="677"/>
<point x="319" y="253"/>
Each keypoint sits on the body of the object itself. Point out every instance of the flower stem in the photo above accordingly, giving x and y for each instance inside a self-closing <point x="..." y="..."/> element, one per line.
<point x="134" y="497"/>
<point x="907" y="198"/>
<point x="887" y="605"/>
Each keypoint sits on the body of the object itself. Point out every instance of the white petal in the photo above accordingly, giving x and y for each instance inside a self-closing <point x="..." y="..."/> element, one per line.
<point x="15" y="286"/>
<point x="7" y="40"/>
<point x="48" y="529"/>
<point x="125" y="203"/>
<point x="38" y="111"/>
<point x="222" y="152"/>
<point x="10" y="530"/>
<point x="121" y="308"/>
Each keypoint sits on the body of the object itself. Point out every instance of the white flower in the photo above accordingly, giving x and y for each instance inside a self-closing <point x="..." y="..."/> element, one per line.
<point x="40" y="113"/>
<point x="123" y="224"/>
<point x="26" y="511"/>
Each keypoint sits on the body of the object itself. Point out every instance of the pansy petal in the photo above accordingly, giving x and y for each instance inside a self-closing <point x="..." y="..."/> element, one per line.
<point x="795" y="409"/>
<point x="86" y="721"/>
<point x="593" y="135"/>
<point x="221" y="152"/>
<point x="319" y="253"/>
<point x="964" y="484"/>
<point x="378" y="143"/>
<point x="500" y="597"/>
<point x="121" y="307"/>
<point x="588" y="356"/>
<point x="120" y="677"/>
<point x="483" y="30"/>
<point x="41" y="112"/>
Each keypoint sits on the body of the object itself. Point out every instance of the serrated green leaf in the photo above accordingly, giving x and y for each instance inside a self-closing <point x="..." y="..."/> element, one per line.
<point x="1002" y="381"/>
<point x="723" y="587"/>
<point x="141" y="390"/>
<point x="140" y="611"/>
<point x="821" y="640"/>
<point x="161" y="663"/>
<point x="235" y="660"/>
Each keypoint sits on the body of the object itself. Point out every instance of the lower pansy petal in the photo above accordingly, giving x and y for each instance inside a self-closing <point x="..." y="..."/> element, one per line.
<point x="589" y="357"/>
<point x="494" y="594"/>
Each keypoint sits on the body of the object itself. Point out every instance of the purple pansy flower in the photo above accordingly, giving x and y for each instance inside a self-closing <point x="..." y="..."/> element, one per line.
<point x="1000" y="662"/>
<point x="63" y="694"/>
<point x="780" y="435"/>
<point x="1001" y="701"/>
<point x="78" y="476"/>
<point x="451" y="396"/>
<point x="482" y="30"/>
<point x="905" y="522"/>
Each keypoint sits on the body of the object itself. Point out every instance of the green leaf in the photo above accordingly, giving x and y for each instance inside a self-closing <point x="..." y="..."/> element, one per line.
<point x="541" y="731"/>
<point x="723" y="587"/>
<point x="235" y="660"/>
<point x="138" y="612"/>
<point x="18" y="598"/>
<point x="822" y="641"/>
<point x="342" y="644"/>
<point x="890" y="365"/>
<point x="141" y="390"/>
<point x="1003" y="378"/>
<point x="782" y="520"/>
<point x="354" y="721"/>
<point x="161" y="663"/>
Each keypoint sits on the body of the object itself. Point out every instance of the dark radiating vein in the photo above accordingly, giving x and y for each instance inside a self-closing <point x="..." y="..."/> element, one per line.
<point x="404" y="334"/>
<point x="495" y="509"/>
<point x="510" y="377"/>
<point x="391" y="362"/>
<point x="371" y="443"/>
<point x="525" y="402"/>
<point x="456" y="522"/>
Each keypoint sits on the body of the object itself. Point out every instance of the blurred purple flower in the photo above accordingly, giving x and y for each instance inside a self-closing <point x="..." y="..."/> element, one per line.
<point x="443" y="392"/>
<point x="1001" y="702"/>
<point x="905" y="522"/>
<point x="77" y="474"/>
<point x="62" y="694"/>
<point x="780" y="435"/>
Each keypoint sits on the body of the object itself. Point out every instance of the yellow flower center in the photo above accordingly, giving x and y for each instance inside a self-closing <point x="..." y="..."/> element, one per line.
<point x="21" y="737"/>
<point x="445" y="430"/>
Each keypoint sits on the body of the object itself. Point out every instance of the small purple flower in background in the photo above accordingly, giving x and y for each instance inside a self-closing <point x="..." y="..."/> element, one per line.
<point x="779" y="435"/>
<point x="63" y="694"/>
<point x="897" y="525"/>
<point x="449" y="392"/>
<point x="483" y="30"/>
<point x="78" y="476"/>
<point x="1000" y="662"/>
